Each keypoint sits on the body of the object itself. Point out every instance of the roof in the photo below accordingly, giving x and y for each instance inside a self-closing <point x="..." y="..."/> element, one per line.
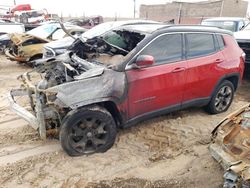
<point x="164" y="28"/>
<point x="225" y="19"/>
<point x="194" y="28"/>
<point x="107" y="26"/>
<point x="142" y="27"/>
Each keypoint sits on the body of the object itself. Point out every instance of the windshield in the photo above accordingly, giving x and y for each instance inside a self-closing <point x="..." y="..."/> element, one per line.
<point x="99" y="29"/>
<point x="44" y="31"/>
<point x="228" y="25"/>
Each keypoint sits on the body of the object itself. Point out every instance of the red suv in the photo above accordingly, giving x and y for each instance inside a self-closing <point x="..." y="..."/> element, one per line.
<point x="129" y="74"/>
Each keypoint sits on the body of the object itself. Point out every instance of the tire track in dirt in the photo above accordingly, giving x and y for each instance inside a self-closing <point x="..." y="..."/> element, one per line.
<point x="25" y="153"/>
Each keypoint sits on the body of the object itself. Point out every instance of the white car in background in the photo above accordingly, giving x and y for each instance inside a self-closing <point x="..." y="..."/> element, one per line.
<point x="233" y="24"/>
<point x="243" y="39"/>
<point x="11" y="27"/>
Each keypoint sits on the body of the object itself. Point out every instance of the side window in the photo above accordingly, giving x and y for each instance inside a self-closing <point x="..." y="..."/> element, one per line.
<point x="165" y="49"/>
<point x="199" y="44"/>
<point x="221" y="42"/>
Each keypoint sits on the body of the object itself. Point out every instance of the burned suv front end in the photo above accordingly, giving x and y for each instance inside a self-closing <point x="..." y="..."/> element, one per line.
<point x="65" y="86"/>
<point x="86" y="74"/>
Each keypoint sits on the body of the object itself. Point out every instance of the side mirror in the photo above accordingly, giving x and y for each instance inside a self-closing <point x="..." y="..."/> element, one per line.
<point x="143" y="61"/>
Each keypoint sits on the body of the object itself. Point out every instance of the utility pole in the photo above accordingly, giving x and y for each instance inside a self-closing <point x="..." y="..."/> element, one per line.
<point x="134" y="9"/>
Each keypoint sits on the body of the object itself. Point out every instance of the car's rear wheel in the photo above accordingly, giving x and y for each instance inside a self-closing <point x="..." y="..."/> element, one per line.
<point x="87" y="131"/>
<point x="222" y="98"/>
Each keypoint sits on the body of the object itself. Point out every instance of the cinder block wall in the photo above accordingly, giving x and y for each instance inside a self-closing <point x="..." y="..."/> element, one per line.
<point x="237" y="8"/>
<point x="194" y="12"/>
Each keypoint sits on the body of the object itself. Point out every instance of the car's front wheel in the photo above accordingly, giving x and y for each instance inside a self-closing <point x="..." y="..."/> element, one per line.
<point x="87" y="130"/>
<point x="222" y="98"/>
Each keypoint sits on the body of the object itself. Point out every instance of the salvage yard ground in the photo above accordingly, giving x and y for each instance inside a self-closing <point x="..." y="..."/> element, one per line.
<point x="168" y="151"/>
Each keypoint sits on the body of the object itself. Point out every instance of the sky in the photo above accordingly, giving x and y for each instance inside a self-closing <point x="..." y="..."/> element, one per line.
<point x="106" y="8"/>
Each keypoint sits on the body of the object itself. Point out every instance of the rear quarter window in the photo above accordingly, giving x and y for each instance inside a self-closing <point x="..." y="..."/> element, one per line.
<point x="199" y="44"/>
<point x="221" y="42"/>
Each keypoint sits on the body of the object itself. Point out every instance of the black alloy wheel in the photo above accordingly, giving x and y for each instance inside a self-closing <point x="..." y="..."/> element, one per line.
<point x="87" y="131"/>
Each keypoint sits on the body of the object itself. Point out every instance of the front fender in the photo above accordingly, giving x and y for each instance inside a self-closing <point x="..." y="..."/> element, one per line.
<point x="110" y="86"/>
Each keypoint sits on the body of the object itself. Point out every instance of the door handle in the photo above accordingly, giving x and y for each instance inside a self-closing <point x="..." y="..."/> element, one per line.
<point x="179" y="69"/>
<point x="219" y="60"/>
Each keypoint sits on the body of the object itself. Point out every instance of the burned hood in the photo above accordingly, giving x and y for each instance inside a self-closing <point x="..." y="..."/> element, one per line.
<point x="18" y="38"/>
<point x="99" y="85"/>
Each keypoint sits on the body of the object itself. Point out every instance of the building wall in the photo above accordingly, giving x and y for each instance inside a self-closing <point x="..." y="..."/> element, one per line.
<point x="237" y="8"/>
<point x="194" y="12"/>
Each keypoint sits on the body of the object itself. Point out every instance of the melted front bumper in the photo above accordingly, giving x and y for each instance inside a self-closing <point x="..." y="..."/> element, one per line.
<point x="35" y="116"/>
<point x="14" y="57"/>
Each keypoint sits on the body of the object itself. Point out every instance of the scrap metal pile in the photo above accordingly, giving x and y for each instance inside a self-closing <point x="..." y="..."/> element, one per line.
<point x="231" y="148"/>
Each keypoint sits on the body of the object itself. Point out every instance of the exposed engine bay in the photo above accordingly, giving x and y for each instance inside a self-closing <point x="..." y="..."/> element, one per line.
<point x="99" y="52"/>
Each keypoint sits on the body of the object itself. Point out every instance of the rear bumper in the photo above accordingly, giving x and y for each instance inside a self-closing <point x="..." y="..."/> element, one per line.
<point x="14" y="57"/>
<point x="35" y="119"/>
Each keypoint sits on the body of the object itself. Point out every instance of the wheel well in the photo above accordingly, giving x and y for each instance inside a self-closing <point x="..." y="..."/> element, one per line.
<point x="234" y="80"/>
<point x="112" y="108"/>
<point x="37" y="56"/>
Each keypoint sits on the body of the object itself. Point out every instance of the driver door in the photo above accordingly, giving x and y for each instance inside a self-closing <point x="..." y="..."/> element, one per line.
<point x="159" y="87"/>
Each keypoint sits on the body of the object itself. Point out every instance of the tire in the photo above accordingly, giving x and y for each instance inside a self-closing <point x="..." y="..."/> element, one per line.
<point x="87" y="130"/>
<point x="221" y="98"/>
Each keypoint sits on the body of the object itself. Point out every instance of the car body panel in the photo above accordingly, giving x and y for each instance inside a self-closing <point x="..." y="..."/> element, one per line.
<point x="108" y="86"/>
<point x="199" y="81"/>
<point x="153" y="87"/>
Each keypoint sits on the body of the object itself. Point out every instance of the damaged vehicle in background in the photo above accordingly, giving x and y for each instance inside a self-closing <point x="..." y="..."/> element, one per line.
<point x="58" y="47"/>
<point x="87" y="23"/>
<point x="10" y="27"/>
<point x="231" y="147"/>
<point x="233" y="24"/>
<point x="243" y="39"/>
<point x="5" y="29"/>
<point x="29" y="46"/>
<point x="127" y="75"/>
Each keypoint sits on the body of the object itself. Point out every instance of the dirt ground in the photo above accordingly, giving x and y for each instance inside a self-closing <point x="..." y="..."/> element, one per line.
<point x="168" y="151"/>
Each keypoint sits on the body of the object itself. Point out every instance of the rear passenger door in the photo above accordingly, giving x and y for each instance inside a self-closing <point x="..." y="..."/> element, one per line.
<point x="203" y="66"/>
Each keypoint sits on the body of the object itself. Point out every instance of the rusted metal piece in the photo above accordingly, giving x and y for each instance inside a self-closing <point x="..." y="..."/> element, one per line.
<point x="231" y="147"/>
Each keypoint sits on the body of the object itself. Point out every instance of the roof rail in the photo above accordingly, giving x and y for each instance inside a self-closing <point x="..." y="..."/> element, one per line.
<point x="181" y="25"/>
